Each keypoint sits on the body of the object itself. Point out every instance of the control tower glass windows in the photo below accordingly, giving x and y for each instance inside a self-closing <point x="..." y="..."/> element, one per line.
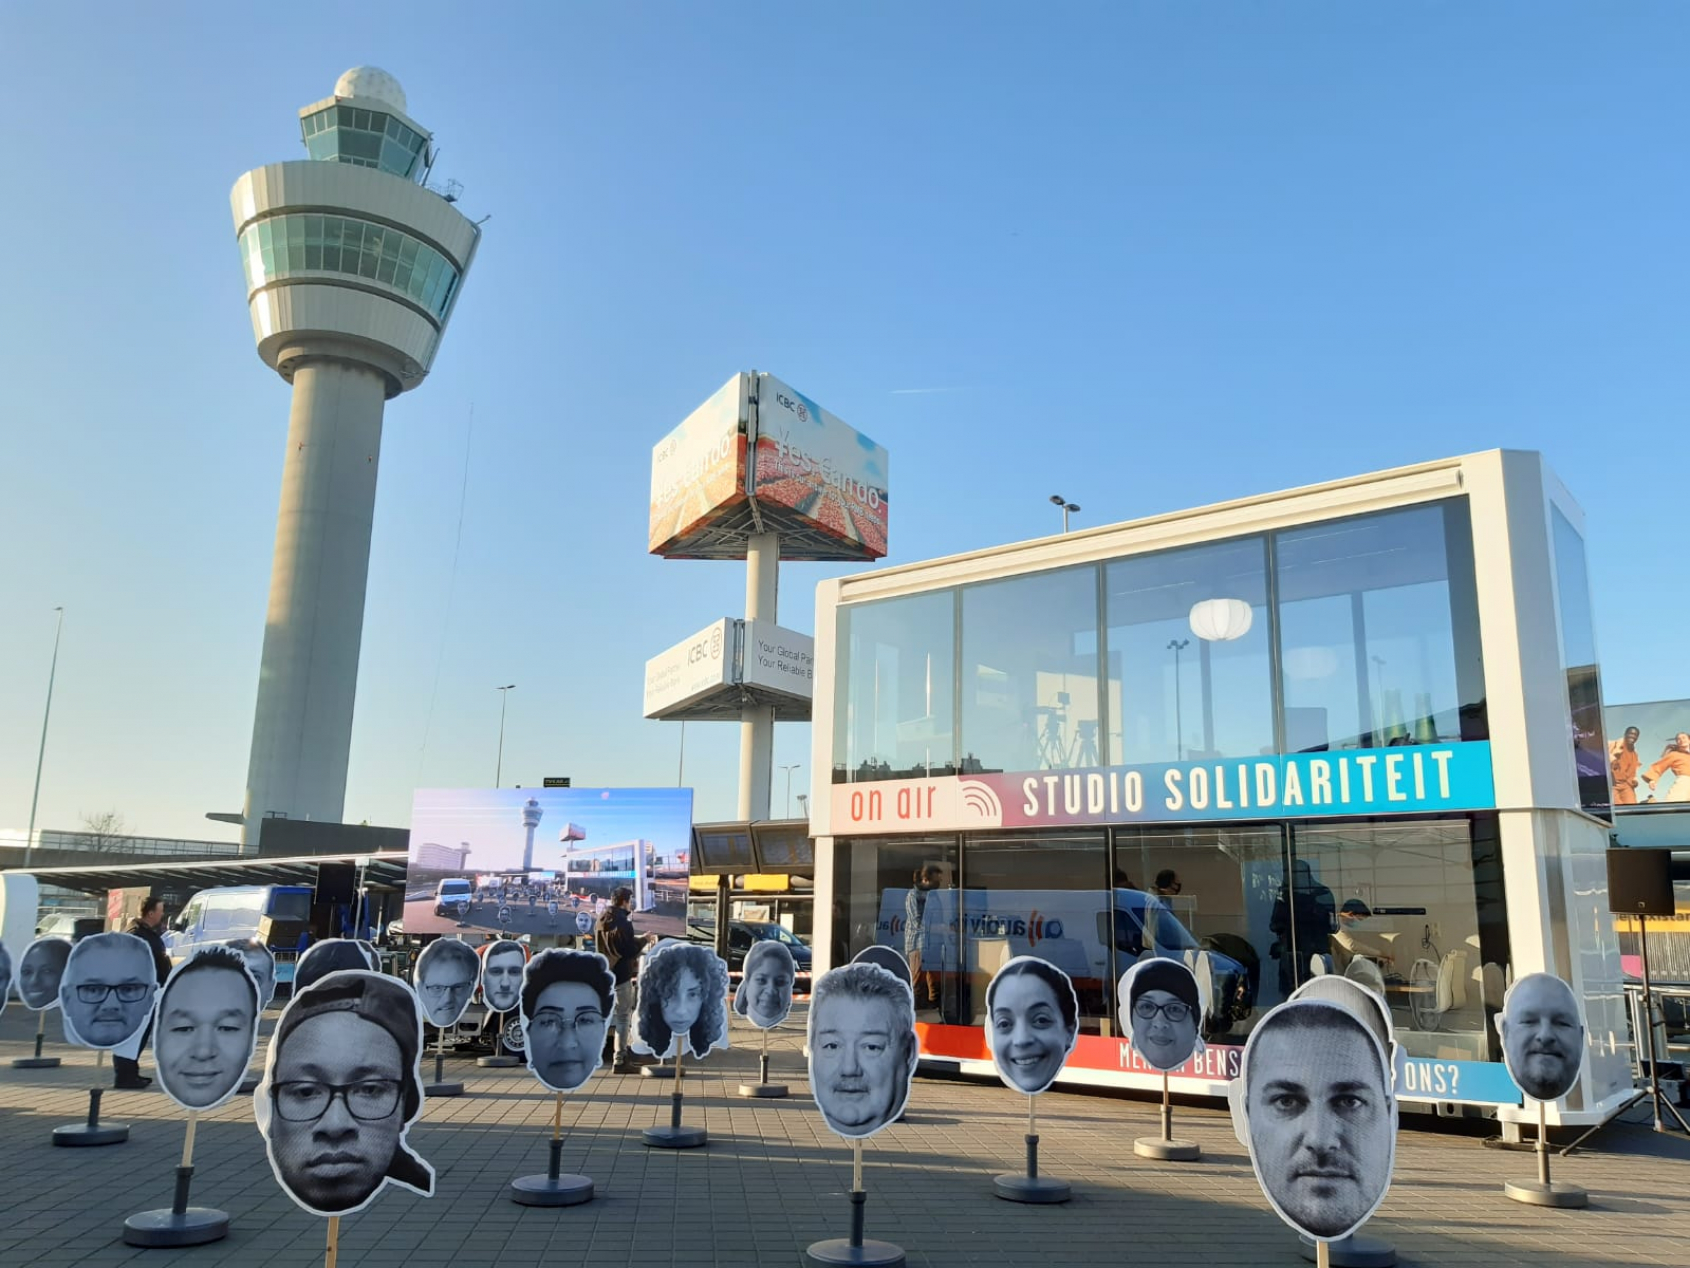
<point x="292" y="245"/>
<point x="364" y="138"/>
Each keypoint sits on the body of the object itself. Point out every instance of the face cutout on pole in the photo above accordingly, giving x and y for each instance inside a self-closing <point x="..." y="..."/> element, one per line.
<point x="863" y="1048"/>
<point x="334" y="955"/>
<point x="445" y="977"/>
<point x="567" y="1000"/>
<point x="1163" y="1010"/>
<point x="108" y="990"/>
<point x="1543" y="1033"/>
<point x="1319" y="1116"/>
<point x="501" y="975"/>
<point x="261" y="963"/>
<point x="207" y="1027"/>
<point x="5" y="976"/>
<point x="40" y="972"/>
<point x="1032" y="1022"/>
<point x="340" y="1091"/>
<point x="764" y="997"/>
<point x="888" y="959"/>
<point x="682" y="1001"/>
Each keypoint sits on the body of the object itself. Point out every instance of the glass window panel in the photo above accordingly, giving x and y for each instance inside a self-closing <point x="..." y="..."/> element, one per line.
<point x="361" y="145"/>
<point x="361" y="119"/>
<point x="893" y="716"/>
<point x="313" y="255"/>
<point x="408" y="251"/>
<point x="1046" y="896"/>
<point x="296" y="241"/>
<point x="1369" y="635"/>
<point x="446" y="294"/>
<point x="1029" y="672"/>
<point x="392" y="126"/>
<point x="1205" y="896"/>
<point x="1578" y="651"/>
<point x="384" y="271"/>
<point x="1174" y="694"/>
<point x="880" y="887"/>
<point x="313" y="230"/>
<point x="1427" y="917"/>
<point x="321" y="148"/>
<point x="402" y="276"/>
<point x="343" y="116"/>
<point x="370" y="260"/>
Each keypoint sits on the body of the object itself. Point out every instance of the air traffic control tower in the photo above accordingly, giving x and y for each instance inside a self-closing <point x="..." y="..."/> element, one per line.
<point x="352" y="270"/>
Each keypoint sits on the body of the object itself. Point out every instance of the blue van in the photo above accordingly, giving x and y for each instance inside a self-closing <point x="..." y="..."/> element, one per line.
<point x="275" y="915"/>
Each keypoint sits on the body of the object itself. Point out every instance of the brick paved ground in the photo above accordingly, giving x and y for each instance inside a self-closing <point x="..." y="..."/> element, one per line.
<point x="773" y="1179"/>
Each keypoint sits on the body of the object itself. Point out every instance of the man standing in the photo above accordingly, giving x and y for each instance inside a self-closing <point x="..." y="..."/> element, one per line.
<point x="147" y="926"/>
<point x="1622" y="761"/>
<point x="616" y="941"/>
<point x="925" y="937"/>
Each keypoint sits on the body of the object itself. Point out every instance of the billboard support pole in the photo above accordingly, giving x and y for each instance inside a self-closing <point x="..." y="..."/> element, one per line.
<point x="757" y="722"/>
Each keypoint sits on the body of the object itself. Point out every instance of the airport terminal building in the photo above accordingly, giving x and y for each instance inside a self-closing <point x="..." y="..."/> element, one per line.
<point x="1351" y="728"/>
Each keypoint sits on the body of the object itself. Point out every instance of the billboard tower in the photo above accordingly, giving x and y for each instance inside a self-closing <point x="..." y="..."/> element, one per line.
<point x="353" y="267"/>
<point x="759" y="472"/>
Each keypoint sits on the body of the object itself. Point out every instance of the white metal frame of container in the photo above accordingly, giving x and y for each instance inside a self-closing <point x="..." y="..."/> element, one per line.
<point x="1553" y="853"/>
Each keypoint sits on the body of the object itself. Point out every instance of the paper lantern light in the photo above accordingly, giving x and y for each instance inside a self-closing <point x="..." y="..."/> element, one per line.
<point x="1221" y="620"/>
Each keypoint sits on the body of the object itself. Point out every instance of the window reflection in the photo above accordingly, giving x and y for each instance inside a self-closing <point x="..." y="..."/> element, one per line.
<point x="282" y="245"/>
<point x="902" y="894"/>
<point x="1578" y="651"/>
<point x="897" y="664"/>
<point x="1029" y="672"/>
<point x="1190" y="675"/>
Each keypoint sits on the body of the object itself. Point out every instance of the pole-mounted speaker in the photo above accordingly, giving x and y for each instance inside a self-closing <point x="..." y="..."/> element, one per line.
<point x="1640" y="882"/>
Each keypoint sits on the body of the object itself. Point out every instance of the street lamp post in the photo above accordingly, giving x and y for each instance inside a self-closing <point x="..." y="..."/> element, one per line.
<point x="499" y="767"/>
<point x="789" y="770"/>
<point x="1066" y="506"/>
<point x="40" y="757"/>
<point x="1178" y="645"/>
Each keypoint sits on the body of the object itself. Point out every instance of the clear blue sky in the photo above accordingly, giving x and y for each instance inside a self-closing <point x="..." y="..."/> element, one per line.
<point x="1156" y="255"/>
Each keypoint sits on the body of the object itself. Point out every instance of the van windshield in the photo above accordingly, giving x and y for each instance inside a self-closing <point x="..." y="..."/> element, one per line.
<point x="454" y="887"/>
<point x="290" y="905"/>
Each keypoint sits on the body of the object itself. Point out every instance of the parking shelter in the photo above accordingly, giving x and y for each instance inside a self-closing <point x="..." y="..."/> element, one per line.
<point x="1350" y="728"/>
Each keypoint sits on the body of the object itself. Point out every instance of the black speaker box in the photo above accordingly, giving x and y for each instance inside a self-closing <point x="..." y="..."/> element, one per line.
<point x="336" y="882"/>
<point x="1640" y="882"/>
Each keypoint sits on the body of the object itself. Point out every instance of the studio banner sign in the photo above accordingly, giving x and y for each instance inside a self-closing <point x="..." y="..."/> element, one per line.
<point x="1413" y="779"/>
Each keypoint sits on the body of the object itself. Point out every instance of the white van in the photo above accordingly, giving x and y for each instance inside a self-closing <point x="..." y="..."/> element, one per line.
<point x="454" y="896"/>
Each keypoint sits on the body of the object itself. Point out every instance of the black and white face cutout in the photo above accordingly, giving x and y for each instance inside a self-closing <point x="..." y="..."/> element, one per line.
<point x="445" y="978"/>
<point x="261" y="963"/>
<point x="40" y="972"/>
<point x="764" y="997"/>
<point x="207" y="1027"/>
<point x="863" y="1048"/>
<point x="108" y="990"/>
<point x="1542" y="1036"/>
<point x="5" y="976"/>
<point x="501" y="975"/>
<point x="682" y="1002"/>
<point x="1163" y="1011"/>
<point x="340" y="1091"/>
<point x="888" y="959"/>
<point x="567" y="999"/>
<point x="1319" y="1116"/>
<point x="1032" y="1022"/>
<point x="334" y="955"/>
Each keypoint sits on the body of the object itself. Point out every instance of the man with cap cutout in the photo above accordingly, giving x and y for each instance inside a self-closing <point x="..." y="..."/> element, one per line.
<point x="342" y="1089"/>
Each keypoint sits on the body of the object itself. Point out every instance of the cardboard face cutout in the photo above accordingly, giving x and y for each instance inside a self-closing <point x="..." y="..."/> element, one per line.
<point x="501" y="975"/>
<point x="261" y="963"/>
<point x="333" y="955"/>
<point x="108" y="990"/>
<point x="445" y="977"/>
<point x="567" y="1000"/>
<point x="1162" y="1007"/>
<point x="40" y="972"/>
<point x="888" y="959"/>
<point x="863" y="1048"/>
<point x="1319" y="1116"/>
<point x="682" y="1001"/>
<point x="1032" y="1022"/>
<point x="5" y="976"/>
<point x="340" y="1091"/>
<point x="1543" y="1033"/>
<point x="207" y="1027"/>
<point x="764" y="997"/>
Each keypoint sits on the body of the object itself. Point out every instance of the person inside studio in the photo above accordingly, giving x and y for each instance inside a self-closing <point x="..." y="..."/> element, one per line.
<point x="1355" y="939"/>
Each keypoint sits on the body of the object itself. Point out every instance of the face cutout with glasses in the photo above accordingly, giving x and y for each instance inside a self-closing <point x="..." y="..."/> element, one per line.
<point x="108" y="990"/>
<point x="566" y="1000"/>
<point x="445" y="978"/>
<point x="1161" y="1008"/>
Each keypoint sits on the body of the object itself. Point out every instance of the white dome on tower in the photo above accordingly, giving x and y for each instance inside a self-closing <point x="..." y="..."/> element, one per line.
<point x="371" y="82"/>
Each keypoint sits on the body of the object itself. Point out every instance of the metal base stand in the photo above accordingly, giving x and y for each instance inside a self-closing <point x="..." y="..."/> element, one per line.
<point x="674" y="1136"/>
<point x="1165" y="1148"/>
<point x="1354" y="1251"/>
<point x="91" y="1132"/>
<point x="37" y="1062"/>
<point x="1032" y="1187"/>
<point x="1543" y="1191"/>
<point x="657" y="1072"/>
<point x="553" y="1188"/>
<point x="500" y="1060"/>
<point x="181" y="1225"/>
<point x="854" y="1249"/>
<point x="763" y="1088"/>
<point x="440" y="1087"/>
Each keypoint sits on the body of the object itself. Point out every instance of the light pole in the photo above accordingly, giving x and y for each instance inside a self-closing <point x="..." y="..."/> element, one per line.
<point x="29" y="841"/>
<point x="804" y="804"/>
<point x="1066" y="506"/>
<point x="681" y="766"/>
<point x="1178" y="645"/>
<point x="499" y="768"/>
<point x="789" y="770"/>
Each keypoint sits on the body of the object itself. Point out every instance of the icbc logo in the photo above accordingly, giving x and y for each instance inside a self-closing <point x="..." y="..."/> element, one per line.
<point x="797" y="407"/>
